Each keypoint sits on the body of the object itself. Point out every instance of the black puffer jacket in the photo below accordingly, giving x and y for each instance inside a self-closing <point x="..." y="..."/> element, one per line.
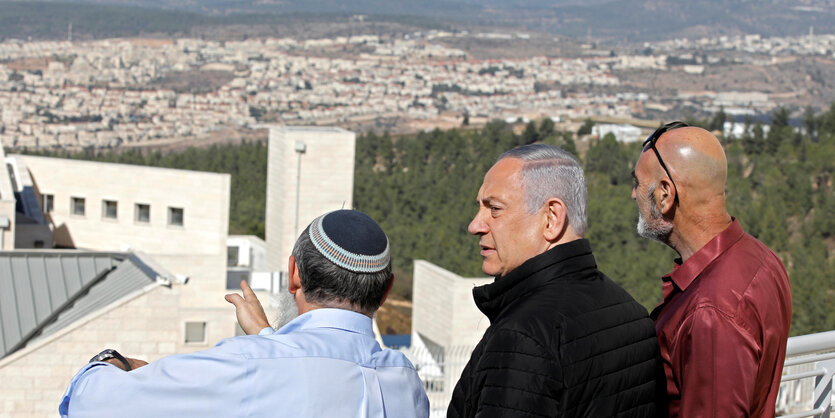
<point x="564" y="340"/>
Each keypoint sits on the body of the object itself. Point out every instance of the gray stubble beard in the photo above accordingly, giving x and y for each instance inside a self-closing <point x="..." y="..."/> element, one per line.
<point x="659" y="228"/>
<point x="287" y="309"/>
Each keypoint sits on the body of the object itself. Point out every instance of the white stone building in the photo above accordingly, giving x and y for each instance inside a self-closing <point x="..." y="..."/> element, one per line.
<point x="310" y="172"/>
<point x="622" y="132"/>
<point x="136" y="258"/>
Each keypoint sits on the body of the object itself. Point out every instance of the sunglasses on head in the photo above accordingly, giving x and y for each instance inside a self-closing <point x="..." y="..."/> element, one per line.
<point x="649" y="143"/>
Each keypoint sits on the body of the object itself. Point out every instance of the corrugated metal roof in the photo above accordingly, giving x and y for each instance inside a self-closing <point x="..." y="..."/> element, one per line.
<point x="42" y="292"/>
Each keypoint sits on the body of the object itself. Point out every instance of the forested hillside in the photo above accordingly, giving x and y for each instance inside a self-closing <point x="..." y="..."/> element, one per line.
<point x="422" y="190"/>
<point x="780" y="188"/>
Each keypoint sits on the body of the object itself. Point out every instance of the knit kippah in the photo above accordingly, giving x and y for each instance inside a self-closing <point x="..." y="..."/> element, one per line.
<point x="351" y="240"/>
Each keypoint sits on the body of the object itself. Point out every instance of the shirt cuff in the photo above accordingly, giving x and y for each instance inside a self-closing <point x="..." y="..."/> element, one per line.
<point x="266" y="331"/>
<point x="63" y="408"/>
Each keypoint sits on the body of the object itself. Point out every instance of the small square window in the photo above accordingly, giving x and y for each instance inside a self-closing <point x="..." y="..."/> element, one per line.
<point x="109" y="209"/>
<point x="234" y="277"/>
<point x="48" y="203"/>
<point x="175" y="216"/>
<point x="195" y="332"/>
<point x="77" y="206"/>
<point x="142" y="213"/>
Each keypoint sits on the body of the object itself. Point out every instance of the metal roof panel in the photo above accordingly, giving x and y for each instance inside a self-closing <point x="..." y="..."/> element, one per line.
<point x="44" y="291"/>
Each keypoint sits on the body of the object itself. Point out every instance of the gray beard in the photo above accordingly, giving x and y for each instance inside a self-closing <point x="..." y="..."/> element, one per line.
<point x="287" y="309"/>
<point x="658" y="229"/>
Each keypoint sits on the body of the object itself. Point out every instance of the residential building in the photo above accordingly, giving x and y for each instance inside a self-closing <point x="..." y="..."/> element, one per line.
<point x="135" y="258"/>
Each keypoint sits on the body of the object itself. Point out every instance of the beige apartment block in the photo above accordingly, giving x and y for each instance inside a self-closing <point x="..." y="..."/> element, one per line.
<point x="179" y="218"/>
<point x="310" y="171"/>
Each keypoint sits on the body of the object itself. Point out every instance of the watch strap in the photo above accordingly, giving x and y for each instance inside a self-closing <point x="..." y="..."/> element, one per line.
<point x="110" y="353"/>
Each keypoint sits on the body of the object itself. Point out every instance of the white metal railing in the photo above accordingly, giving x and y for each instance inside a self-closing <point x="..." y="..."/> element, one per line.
<point x="806" y="388"/>
<point x="439" y="368"/>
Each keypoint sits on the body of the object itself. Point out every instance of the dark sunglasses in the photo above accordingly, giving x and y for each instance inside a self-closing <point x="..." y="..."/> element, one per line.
<point x="649" y="143"/>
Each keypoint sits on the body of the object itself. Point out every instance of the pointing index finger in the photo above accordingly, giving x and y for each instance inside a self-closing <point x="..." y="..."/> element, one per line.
<point x="247" y="291"/>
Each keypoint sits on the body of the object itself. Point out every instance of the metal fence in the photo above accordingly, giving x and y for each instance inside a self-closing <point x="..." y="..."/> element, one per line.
<point x="806" y="389"/>
<point x="439" y="369"/>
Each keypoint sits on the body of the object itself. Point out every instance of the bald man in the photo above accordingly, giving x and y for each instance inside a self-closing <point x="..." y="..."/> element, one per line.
<point x="724" y="321"/>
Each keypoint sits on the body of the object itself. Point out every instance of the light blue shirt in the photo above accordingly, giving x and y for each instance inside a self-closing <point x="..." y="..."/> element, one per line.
<point x="324" y="363"/>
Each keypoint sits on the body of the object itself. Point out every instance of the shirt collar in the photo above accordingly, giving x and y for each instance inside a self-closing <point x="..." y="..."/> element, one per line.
<point x="684" y="274"/>
<point x="534" y="273"/>
<point x="330" y="318"/>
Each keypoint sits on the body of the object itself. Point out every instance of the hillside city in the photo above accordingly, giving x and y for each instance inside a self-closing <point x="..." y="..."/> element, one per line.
<point x="149" y="175"/>
<point x="107" y="92"/>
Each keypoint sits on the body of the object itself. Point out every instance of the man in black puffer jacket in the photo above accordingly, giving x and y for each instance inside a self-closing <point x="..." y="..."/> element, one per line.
<point x="564" y="339"/>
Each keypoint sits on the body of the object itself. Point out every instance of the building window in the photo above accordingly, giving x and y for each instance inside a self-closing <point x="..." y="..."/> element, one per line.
<point x="175" y="216"/>
<point x="231" y="256"/>
<point x="195" y="332"/>
<point x="234" y="277"/>
<point x="77" y="206"/>
<point x="142" y="213"/>
<point x="109" y="209"/>
<point x="48" y="203"/>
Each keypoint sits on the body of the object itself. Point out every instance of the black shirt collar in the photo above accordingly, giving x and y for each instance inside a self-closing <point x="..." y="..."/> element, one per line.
<point x="535" y="272"/>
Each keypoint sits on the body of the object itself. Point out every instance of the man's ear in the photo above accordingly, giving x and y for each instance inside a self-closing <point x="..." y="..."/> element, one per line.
<point x="295" y="279"/>
<point x="556" y="219"/>
<point x="665" y="195"/>
<point x="388" y="290"/>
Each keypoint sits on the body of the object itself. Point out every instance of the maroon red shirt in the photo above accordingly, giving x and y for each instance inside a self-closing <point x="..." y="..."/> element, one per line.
<point x="722" y="328"/>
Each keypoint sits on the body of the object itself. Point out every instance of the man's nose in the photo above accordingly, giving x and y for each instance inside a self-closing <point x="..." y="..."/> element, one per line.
<point x="477" y="226"/>
<point x="634" y="193"/>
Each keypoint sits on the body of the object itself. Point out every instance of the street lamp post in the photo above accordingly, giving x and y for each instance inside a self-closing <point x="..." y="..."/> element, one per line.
<point x="301" y="147"/>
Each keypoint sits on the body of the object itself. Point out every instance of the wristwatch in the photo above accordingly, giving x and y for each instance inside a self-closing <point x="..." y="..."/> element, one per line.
<point x="109" y="354"/>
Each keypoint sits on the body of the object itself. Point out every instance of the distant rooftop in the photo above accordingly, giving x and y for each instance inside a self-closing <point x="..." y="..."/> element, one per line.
<point x="93" y="166"/>
<point x="329" y="129"/>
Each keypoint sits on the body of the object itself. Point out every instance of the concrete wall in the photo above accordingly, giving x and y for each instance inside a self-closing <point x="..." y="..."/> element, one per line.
<point x="447" y="325"/>
<point x="321" y="178"/>
<point x="32" y="236"/>
<point x="7" y="228"/>
<point x="443" y="309"/>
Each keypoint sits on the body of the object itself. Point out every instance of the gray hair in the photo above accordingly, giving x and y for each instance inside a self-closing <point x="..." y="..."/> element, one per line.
<point x="327" y="284"/>
<point x="550" y="172"/>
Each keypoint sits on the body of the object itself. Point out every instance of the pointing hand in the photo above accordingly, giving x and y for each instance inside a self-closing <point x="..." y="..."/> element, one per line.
<point x="248" y="309"/>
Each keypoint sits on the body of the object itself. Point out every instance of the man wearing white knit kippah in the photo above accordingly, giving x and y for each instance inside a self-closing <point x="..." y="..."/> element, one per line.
<point x="324" y="363"/>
